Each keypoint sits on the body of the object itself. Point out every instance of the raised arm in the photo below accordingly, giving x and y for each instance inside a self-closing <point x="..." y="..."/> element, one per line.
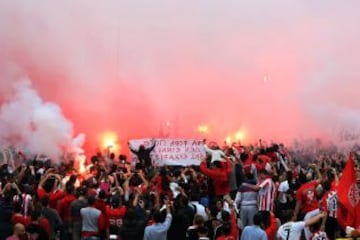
<point x="144" y="180"/>
<point x="297" y="209"/>
<point x="313" y="220"/>
<point x="153" y="145"/>
<point x="207" y="149"/>
<point x="318" y="173"/>
<point x="131" y="149"/>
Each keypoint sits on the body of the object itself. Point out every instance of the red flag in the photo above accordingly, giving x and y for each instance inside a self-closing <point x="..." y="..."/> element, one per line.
<point x="348" y="196"/>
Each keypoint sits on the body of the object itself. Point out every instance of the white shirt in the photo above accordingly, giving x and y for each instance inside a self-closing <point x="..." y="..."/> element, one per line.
<point x="200" y="209"/>
<point x="283" y="188"/>
<point x="291" y="230"/>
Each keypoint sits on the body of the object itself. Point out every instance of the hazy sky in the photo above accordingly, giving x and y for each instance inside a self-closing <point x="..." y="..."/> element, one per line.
<point x="275" y="69"/>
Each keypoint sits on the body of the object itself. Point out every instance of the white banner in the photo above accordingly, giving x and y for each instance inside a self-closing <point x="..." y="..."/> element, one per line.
<point x="181" y="152"/>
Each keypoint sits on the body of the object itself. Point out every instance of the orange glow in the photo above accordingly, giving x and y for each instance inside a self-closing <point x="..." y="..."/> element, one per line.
<point x="228" y="140"/>
<point x="81" y="161"/>
<point x="240" y="135"/>
<point x="109" y="141"/>
<point x="203" y="129"/>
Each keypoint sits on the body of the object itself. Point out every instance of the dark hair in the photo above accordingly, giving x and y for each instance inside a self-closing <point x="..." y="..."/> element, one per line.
<point x="69" y="187"/>
<point x="165" y="183"/>
<point x="214" y="211"/>
<point x="102" y="194"/>
<point x="257" y="219"/>
<point x="265" y="218"/>
<point x="225" y="216"/>
<point x="94" y="159"/>
<point x="81" y="191"/>
<point x="135" y="181"/>
<point x="17" y="207"/>
<point x="91" y="200"/>
<point x="327" y="185"/>
<point x="226" y="228"/>
<point x="287" y="214"/>
<point x="289" y="176"/>
<point x="130" y="215"/>
<point x="158" y="216"/>
<point x="202" y="230"/>
<point x="217" y="164"/>
<point x="35" y="214"/>
<point x="302" y="178"/>
<point x="45" y="201"/>
<point x="72" y="178"/>
<point x="115" y="202"/>
<point x="49" y="184"/>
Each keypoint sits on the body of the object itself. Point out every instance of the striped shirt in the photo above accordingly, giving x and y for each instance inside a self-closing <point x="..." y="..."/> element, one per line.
<point x="267" y="194"/>
<point x="328" y="203"/>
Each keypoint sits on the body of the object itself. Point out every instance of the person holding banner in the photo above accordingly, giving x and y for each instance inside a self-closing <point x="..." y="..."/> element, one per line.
<point x="143" y="154"/>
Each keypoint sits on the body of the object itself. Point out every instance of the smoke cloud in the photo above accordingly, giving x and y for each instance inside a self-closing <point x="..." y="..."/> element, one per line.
<point x="32" y="125"/>
<point x="140" y="68"/>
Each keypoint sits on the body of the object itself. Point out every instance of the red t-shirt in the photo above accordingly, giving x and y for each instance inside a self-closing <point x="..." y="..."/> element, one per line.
<point x="53" y="196"/>
<point x="63" y="206"/>
<point x="307" y="195"/>
<point x="115" y="215"/>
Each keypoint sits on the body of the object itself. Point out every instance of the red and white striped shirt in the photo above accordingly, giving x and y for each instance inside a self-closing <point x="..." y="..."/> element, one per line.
<point x="267" y="194"/>
<point x="328" y="203"/>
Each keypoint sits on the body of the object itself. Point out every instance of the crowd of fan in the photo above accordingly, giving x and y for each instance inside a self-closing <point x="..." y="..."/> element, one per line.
<point x="237" y="192"/>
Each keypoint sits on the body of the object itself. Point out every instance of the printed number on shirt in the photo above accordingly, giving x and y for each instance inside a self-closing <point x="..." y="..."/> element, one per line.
<point x="287" y="230"/>
<point x="116" y="222"/>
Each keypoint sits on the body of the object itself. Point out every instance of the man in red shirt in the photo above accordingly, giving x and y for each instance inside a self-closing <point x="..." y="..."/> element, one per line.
<point x="220" y="175"/>
<point x="48" y="186"/>
<point x="100" y="202"/>
<point x="115" y="214"/>
<point x="306" y="200"/>
<point x="63" y="206"/>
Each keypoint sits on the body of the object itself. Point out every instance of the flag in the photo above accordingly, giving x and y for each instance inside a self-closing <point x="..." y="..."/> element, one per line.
<point x="348" y="196"/>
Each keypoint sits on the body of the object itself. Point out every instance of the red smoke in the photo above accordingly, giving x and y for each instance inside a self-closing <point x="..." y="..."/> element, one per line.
<point x="131" y="68"/>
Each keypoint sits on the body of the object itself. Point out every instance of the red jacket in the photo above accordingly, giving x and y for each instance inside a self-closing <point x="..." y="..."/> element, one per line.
<point x="219" y="176"/>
